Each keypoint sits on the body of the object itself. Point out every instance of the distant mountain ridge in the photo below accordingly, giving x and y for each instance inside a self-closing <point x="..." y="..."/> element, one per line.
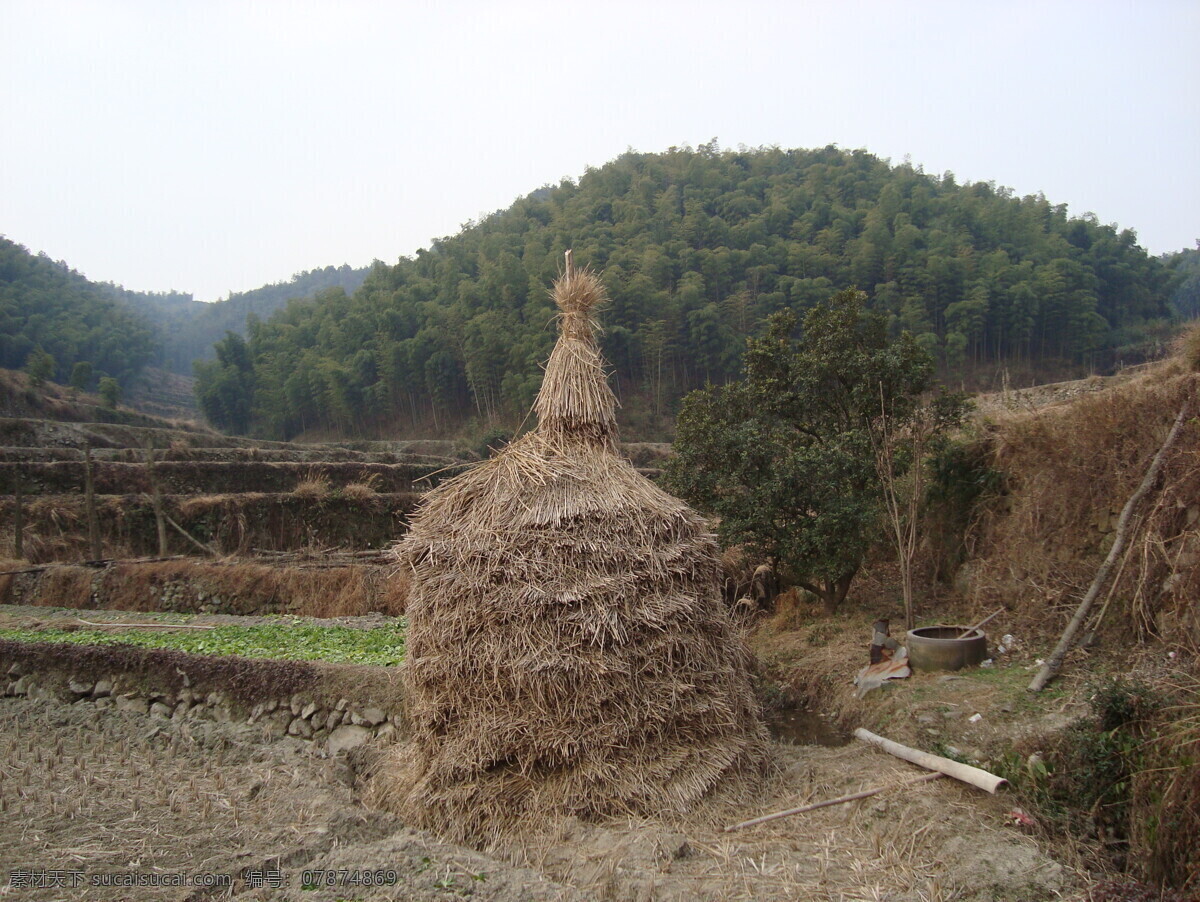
<point x="188" y="328"/>
<point x="58" y="323"/>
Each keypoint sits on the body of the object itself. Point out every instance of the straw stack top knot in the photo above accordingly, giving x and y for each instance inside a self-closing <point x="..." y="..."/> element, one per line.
<point x="575" y="400"/>
<point x="577" y="292"/>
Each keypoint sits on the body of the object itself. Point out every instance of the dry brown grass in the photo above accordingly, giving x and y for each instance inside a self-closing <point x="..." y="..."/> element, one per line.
<point x="1165" y="820"/>
<point x="314" y="486"/>
<point x="935" y="841"/>
<point x="1068" y="471"/>
<point x="569" y="651"/>
<point x="360" y="491"/>
<point x="67" y="587"/>
<point x="1188" y="348"/>
<point x="241" y="588"/>
<point x="6" y="579"/>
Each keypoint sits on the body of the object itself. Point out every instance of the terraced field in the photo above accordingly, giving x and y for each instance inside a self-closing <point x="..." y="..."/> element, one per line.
<point x="195" y="690"/>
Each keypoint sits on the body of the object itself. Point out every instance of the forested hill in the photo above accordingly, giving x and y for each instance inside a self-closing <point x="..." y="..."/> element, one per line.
<point x="53" y="319"/>
<point x="188" y="328"/>
<point x="697" y="247"/>
<point x="1185" y="301"/>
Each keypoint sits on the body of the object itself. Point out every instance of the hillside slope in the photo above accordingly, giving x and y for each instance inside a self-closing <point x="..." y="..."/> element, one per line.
<point x="696" y="248"/>
<point x="52" y="312"/>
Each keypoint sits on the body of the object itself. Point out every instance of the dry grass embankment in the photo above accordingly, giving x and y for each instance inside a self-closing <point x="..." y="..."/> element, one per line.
<point x="315" y="589"/>
<point x="56" y="525"/>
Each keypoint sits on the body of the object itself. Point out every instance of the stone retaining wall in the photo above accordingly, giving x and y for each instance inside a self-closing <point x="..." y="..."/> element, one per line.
<point x="163" y="684"/>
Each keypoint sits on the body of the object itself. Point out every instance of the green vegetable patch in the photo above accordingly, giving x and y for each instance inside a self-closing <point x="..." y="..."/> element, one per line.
<point x="383" y="646"/>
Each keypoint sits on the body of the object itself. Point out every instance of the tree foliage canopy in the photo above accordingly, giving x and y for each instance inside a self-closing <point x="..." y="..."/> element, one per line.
<point x="50" y="314"/>
<point x="784" y="457"/>
<point x="699" y="247"/>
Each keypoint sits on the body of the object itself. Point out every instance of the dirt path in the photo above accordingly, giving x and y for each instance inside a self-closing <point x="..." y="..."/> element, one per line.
<point x="98" y="792"/>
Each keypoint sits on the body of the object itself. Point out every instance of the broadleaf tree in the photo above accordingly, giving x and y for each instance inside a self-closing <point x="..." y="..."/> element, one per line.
<point x="784" y="457"/>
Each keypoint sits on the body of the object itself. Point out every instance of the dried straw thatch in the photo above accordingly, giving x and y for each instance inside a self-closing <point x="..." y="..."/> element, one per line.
<point x="569" y="653"/>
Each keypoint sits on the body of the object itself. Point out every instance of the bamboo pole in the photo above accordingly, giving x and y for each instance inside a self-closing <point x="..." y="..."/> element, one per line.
<point x="207" y="549"/>
<point x="957" y="770"/>
<point x="146" y="626"/>
<point x="1054" y="662"/>
<point x="853" y="797"/>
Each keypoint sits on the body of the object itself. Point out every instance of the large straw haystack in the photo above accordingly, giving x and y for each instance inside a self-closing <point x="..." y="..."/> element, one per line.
<point x="568" y="649"/>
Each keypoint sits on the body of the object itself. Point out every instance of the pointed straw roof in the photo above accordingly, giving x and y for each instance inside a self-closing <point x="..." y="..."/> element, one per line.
<point x="575" y="400"/>
<point x="569" y="652"/>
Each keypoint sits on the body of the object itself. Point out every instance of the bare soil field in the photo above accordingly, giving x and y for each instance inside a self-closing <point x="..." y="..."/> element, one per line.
<point x="101" y="792"/>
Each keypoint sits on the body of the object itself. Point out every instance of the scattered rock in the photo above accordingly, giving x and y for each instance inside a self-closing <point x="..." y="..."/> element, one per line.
<point x="300" y="727"/>
<point x="346" y="737"/>
<point x="374" y="716"/>
<point x="80" y="688"/>
<point x="158" y="709"/>
<point x="102" y="688"/>
<point x="133" y="704"/>
<point x="275" y="726"/>
<point x="308" y="710"/>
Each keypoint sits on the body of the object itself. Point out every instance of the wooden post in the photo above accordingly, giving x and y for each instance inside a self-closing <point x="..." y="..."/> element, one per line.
<point x="1054" y="662"/>
<point x="89" y="493"/>
<point x="157" y="503"/>
<point x="18" y="518"/>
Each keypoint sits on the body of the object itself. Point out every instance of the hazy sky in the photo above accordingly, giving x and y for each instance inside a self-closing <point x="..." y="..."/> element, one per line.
<point x="213" y="146"/>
